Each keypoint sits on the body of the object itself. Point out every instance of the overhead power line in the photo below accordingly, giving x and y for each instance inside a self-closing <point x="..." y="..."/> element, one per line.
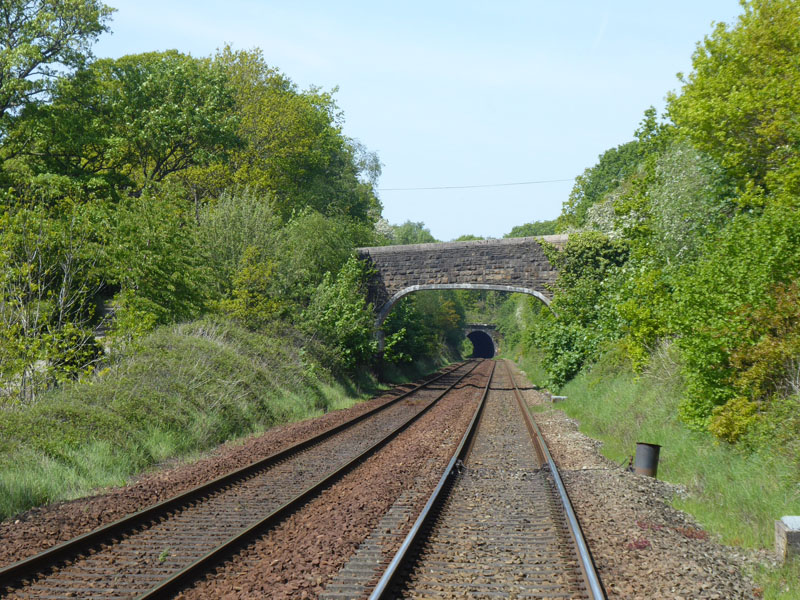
<point x="463" y="187"/>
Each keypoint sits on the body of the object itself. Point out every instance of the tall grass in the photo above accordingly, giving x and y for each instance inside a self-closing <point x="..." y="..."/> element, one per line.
<point x="734" y="494"/>
<point x="186" y="389"/>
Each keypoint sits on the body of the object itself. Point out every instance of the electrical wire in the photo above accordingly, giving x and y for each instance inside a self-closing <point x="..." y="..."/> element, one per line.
<point x="463" y="187"/>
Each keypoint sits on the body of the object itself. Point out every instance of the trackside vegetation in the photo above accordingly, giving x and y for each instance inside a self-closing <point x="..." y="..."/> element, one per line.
<point x="733" y="494"/>
<point x="689" y="236"/>
<point x="676" y="312"/>
<point x="177" y="256"/>
<point x="177" y="269"/>
<point x="182" y="390"/>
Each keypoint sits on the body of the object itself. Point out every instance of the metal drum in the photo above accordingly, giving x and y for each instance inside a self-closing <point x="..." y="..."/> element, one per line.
<point x="646" y="459"/>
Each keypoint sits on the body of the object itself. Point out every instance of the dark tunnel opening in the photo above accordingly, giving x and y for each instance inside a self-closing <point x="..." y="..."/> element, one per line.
<point x="482" y="344"/>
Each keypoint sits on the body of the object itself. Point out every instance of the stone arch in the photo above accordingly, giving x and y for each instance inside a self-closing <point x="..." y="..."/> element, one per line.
<point x="508" y="265"/>
<point x="387" y="307"/>
<point x="484" y="331"/>
<point x="384" y="310"/>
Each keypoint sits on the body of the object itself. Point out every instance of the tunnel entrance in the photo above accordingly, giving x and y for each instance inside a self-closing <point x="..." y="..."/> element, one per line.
<point x="482" y="344"/>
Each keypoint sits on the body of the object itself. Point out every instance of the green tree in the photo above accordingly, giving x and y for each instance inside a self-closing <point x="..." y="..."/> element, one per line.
<point x="294" y="150"/>
<point x="532" y="229"/>
<point x="231" y="225"/>
<point x="38" y="40"/>
<point x="583" y="309"/>
<point x="253" y="300"/>
<point x="424" y="325"/>
<point x="721" y="305"/>
<point x="411" y="233"/>
<point x="49" y="276"/>
<point x="157" y="263"/>
<point x="311" y="245"/>
<point x="340" y="316"/>
<point x="739" y="103"/>
<point x="689" y="200"/>
<point x="132" y="121"/>
<point x="613" y="167"/>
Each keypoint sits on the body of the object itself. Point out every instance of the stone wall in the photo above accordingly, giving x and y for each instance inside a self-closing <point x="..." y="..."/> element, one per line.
<point x="514" y="264"/>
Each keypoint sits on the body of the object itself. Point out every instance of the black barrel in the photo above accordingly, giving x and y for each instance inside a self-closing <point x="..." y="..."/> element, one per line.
<point x="646" y="459"/>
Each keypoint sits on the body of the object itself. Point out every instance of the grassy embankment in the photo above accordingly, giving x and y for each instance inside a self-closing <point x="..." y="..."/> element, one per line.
<point x="732" y="494"/>
<point x="186" y="389"/>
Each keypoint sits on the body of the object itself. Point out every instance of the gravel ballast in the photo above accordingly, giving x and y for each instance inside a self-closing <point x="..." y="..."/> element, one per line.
<point x="41" y="528"/>
<point x="642" y="547"/>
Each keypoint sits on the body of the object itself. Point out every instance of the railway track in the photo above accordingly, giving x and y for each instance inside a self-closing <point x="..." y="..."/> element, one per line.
<point x="499" y="525"/>
<point x="160" y="550"/>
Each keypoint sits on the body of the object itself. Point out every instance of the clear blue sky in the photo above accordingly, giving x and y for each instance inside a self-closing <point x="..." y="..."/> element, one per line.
<point x="457" y="93"/>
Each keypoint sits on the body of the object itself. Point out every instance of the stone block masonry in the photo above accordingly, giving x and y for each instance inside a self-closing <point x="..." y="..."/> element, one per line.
<point x="512" y="264"/>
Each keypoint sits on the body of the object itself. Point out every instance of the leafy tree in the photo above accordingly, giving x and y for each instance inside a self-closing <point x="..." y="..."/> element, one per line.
<point x="157" y="263"/>
<point x="49" y="276"/>
<point x="311" y="245"/>
<point x="739" y="103"/>
<point x="424" y="324"/>
<point x="132" y="121"/>
<point x="718" y="298"/>
<point x="38" y="40"/>
<point x="253" y="301"/>
<point x="411" y="233"/>
<point x="467" y="237"/>
<point x="689" y="200"/>
<point x="532" y="229"/>
<point x="583" y="312"/>
<point x="682" y="198"/>
<point x="294" y="151"/>
<point x="613" y="167"/>
<point x="229" y="227"/>
<point x="583" y="266"/>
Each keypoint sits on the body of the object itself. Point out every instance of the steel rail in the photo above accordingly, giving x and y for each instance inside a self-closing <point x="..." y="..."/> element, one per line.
<point x="385" y="583"/>
<point x="588" y="570"/>
<point x="52" y="557"/>
<point x="180" y="579"/>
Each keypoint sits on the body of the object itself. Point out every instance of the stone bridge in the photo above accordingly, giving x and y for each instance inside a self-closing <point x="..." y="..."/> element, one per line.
<point x="508" y="265"/>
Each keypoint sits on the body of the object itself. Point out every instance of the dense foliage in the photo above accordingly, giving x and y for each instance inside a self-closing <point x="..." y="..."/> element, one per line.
<point x="532" y="229"/>
<point x="159" y="187"/>
<point x="689" y="237"/>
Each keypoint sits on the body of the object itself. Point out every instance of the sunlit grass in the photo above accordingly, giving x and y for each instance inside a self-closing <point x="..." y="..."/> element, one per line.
<point x="735" y="495"/>
<point x="187" y="389"/>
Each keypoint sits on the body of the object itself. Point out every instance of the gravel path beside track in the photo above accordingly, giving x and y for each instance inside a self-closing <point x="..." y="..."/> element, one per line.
<point x="642" y="547"/>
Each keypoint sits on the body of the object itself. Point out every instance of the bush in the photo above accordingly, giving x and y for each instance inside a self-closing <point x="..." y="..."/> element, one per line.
<point x="340" y="316"/>
<point x="188" y="388"/>
<point x="723" y="310"/>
